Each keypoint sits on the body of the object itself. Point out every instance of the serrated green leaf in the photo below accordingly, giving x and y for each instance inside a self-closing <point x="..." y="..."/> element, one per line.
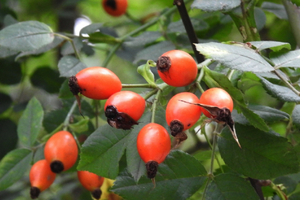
<point x="230" y="186"/>
<point x="13" y="166"/>
<point x="264" y="155"/>
<point x="110" y="144"/>
<point x="282" y="93"/>
<point x="273" y="45"/>
<point x="30" y="123"/>
<point x="215" y="5"/>
<point x="178" y="26"/>
<point x="6" y="52"/>
<point x="289" y="183"/>
<point x="26" y="36"/>
<point x="289" y="59"/>
<point x="234" y="57"/>
<point x="70" y="66"/>
<point x="146" y="72"/>
<point x="254" y="119"/>
<point x="179" y="170"/>
<point x="268" y="114"/>
<point x="64" y="90"/>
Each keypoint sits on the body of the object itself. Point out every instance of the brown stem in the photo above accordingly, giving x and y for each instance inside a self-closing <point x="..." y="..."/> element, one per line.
<point x="189" y="28"/>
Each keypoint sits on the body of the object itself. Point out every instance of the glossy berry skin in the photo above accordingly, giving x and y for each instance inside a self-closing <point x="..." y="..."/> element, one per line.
<point x="61" y="147"/>
<point x="89" y="180"/>
<point x="98" y="82"/>
<point x="216" y="97"/>
<point x="186" y="114"/>
<point x="153" y="143"/>
<point x="177" y="68"/>
<point x="115" y="8"/>
<point x="41" y="177"/>
<point x="130" y="107"/>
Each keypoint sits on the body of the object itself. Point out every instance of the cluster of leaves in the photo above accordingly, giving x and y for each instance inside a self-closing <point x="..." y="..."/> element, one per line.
<point x="261" y="76"/>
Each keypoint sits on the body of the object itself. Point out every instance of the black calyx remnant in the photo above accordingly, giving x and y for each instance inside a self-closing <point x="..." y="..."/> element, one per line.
<point x="97" y="193"/>
<point x="151" y="167"/>
<point x="57" y="166"/>
<point x="112" y="4"/>
<point x="73" y="85"/>
<point x="117" y="119"/>
<point x="163" y="64"/>
<point x="34" y="192"/>
<point x="176" y="127"/>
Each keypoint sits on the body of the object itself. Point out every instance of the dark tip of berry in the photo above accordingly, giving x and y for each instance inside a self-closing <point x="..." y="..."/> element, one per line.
<point x="163" y="63"/>
<point x="111" y="112"/>
<point x="118" y="119"/>
<point x="34" y="192"/>
<point x="181" y="137"/>
<point x="97" y="193"/>
<point x="73" y="85"/>
<point x="176" y="127"/>
<point x="112" y="4"/>
<point x="151" y="167"/>
<point x="57" y="166"/>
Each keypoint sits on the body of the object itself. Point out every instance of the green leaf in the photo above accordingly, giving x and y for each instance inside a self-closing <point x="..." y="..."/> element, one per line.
<point x="254" y="119"/>
<point x="70" y="66"/>
<point x="64" y="90"/>
<point x="215" y="5"/>
<point x="6" y="52"/>
<point x="13" y="166"/>
<point x="267" y="113"/>
<point x="273" y="45"/>
<point x="68" y="49"/>
<point x="288" y="182"/>
<point x="143" y="39"/>
<point x="30" y="123"/>
<point x="179" y="172"/>
<point x="57" y="41"/>
<point x="91" y="28"/>
<point x="296" y="115"/>
<point x="178" y="26"/>
<point x="146" y="72"/>
<point x="282" y="93"/>
<point x="154" y="51"/>
<point x="235" y="57"/>
<point x="26" y="36"/>
<point x="103" y="149"/>
<point x="277" y="9"/>
<point x="230" y="186"/>
<point x="264" y="155"/>
<point x="289" y="59"/>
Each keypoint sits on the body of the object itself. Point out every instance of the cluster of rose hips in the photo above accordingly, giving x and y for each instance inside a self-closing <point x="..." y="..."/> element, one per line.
<point x="176" y="68"/>
<point x="61" y="152"/>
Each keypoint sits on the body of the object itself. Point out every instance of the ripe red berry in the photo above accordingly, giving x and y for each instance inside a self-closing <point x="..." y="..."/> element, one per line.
<point x="115" y="7"/>
<point x="216" y="97"/>
<point x="41" y="177"/>
<point x="177" y="68"/>
<point x="61" y="151"/>
<point x="95" y="83"/>
<point x="92" y="182"/>
<point x="181" y="116"/>
<point x="153" y="145"/>
<point x="123" y="109"/>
